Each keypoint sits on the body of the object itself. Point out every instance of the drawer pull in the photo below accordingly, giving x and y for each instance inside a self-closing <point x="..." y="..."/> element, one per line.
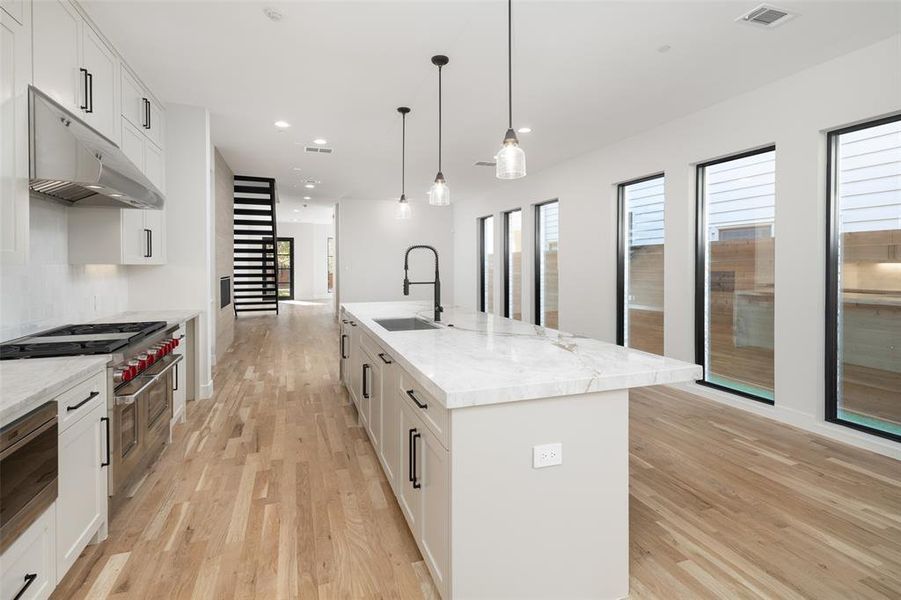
<point x="384" y="358"/>
<point x="410" y="433"/>
<point x="366" y="391"/>
<point x="29" y="579"/>
<point x="83" y="402"/>
<point x="353" y="323"/>
<point x="416" y="400"/>
<point x="343" y="353"/>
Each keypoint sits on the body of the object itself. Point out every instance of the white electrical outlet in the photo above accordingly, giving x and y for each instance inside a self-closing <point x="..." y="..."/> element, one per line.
<point x="547" y="455"/>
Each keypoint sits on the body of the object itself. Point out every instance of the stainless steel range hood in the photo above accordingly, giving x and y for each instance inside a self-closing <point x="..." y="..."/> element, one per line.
<point x="75" y="164"/>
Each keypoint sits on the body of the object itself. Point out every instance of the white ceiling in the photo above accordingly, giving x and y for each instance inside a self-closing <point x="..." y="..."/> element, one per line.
<point x="585" y="74"/>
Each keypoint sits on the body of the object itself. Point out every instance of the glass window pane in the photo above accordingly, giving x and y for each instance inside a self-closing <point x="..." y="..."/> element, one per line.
<point x="513" y="264"/>
<point x="331" y="264"/>
<point x="548" y="238"/>
<point x="868" y="167"/>
<point x="643" y="210"/>
<point x="486" y="277"/>
<point x="739" y="200"/>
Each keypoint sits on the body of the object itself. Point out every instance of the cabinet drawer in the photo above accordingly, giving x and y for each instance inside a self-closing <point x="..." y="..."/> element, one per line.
<point x="430" y="410"/>
<point x="81" y="399"/>
<point x="28" y="565"/>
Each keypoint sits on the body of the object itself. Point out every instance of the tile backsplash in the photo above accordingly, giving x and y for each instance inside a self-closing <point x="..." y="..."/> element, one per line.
<point x="48" y="291"/>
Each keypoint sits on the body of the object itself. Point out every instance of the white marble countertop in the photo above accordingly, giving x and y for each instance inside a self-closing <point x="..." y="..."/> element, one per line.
<point x="28" y="383"/>
<point x="486" y="359"/>
<point x="172" y="317"/>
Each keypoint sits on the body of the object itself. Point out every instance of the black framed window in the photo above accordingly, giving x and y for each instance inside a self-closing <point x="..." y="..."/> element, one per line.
<point x="735" y="272"/>
<point x="285" y="268"/>
<point x="330" y="264"/>
<point x="547" y="240"/>
<point x="486" y="264"/>
<point x="863" y="278"/>
<point x="639" y="271"/>
<point x="513" y="264"/>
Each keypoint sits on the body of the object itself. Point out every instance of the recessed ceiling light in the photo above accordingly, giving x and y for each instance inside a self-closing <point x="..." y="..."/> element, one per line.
<point x="309" y="186"/>
<point x="307" y="198"/>
<point x="115" y="195"/>
<point x="296" y="210"/>
<point x="282" y="124"/>
<point x="320" y="141"/>
<point x="94" y="187"/>
<point x="273" y="15"/>
<point x="524" y="130"/>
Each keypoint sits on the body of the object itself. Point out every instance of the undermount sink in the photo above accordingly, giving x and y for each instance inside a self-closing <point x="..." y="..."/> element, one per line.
<point x="405" y="324"/>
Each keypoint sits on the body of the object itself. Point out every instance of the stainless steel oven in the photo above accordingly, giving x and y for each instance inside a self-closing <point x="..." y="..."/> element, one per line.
<point x="28" y="470"/>
<point x="140" y="414"/>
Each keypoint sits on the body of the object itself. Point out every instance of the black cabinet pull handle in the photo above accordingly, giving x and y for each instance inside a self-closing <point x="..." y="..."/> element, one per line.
<point x="146" y="243"/>
<point x="353" y="323"/>
<point x="84" y="81"/>
<point x="416" y="484"/>
<point x="382" y="355"/>
<point x="90" y="99"/>
<point x="345" y="321"/>
<point x="366" y="390"/>
<point x="29" y="579"/>
<point x="343" y="353"/>
<point x="106" y="462"/>
<point x="149" y="116"/>
<point x="146" y="123"/>
<point x="151" y="242"/>
<point x="410" y="454"/>
<point x="416" y="400"/>
<point x="83" y="402"/>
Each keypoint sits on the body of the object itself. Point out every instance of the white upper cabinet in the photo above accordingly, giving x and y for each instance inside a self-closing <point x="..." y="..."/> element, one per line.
<point x="117" y="236"/>
<point x="15" y="75"/>
<point x="56" y="48"/>
<point x="102" y="65"/>
<point x="15" y="9"/>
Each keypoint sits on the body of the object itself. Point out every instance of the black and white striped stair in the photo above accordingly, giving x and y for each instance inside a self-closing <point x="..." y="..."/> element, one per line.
<point x="256" y="288"/>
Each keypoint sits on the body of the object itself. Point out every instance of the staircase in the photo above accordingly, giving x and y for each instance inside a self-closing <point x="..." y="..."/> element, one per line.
<point x="256" y="289"/>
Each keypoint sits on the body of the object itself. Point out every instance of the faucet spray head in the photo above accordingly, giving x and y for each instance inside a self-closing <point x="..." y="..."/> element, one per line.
<point x="406" y="286"/>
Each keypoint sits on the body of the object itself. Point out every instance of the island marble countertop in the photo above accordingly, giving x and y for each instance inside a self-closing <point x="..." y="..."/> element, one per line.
<point x="486" y="359"/>
<point x="172" y="317"/>
<point x="26" y="384"/>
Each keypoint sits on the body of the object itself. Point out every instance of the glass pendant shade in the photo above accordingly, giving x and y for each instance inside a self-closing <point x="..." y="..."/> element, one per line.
<point x="403" y="208"/>
<point x="511" y="160"/>
<point x="439" y="194"/>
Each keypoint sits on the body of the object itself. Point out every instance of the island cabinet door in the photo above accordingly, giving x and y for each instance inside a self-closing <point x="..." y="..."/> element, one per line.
<point x="373" y="384"/>
<point x="433" y="463"/>
<point x="409" y="491"/>
<point x="344" y="353"/>
<point x="364" y="392"/>
<point x="389" y="449"/>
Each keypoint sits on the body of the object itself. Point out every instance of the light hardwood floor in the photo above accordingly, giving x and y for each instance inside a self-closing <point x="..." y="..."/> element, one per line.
<point x="270" y="490"/>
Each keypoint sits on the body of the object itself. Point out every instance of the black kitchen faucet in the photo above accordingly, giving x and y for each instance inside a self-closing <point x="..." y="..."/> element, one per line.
<point x="436" y="283"/>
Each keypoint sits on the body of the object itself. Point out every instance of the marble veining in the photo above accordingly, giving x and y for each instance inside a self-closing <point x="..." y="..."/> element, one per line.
<point x="25" y="384"/>
<point x="475" y="358"/>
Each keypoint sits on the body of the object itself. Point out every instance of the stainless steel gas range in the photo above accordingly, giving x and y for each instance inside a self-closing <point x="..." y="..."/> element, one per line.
<point x="140" y="385"/>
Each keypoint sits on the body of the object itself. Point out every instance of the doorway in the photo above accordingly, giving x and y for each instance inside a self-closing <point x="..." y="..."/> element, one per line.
<point x="285" y="263"/>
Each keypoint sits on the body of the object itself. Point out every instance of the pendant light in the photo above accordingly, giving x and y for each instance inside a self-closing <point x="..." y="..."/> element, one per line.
<point x="403" y="207"/>
<point x="439" y="194"/>
<point x="511" y="160"/>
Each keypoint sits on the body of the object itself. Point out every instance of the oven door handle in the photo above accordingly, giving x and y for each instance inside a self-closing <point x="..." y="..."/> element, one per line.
<point x="127" y="399"/>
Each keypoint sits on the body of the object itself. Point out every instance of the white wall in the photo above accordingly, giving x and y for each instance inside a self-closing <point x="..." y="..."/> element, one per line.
<point x="186" y="281"/>
<point x="371" y="246"/>
<point x="310" y="257"/>
<point x="48" y="291"/>
<point x="793" y="114"/>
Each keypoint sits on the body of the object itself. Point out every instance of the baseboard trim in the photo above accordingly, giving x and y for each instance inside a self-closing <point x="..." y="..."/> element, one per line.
<point x="206" y="390"/>
<point x="800" y="420"/>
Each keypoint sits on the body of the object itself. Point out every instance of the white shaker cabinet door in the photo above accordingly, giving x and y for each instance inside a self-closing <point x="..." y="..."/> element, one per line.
<point x="135" y="238"/>
<point x="15" y="75"/>
<point x="155" y="223"/>
<point x="433" y="469"/>
<point x="103" y="72"/>
<point x="56" y="49"/>
<point x="81" y="504"/>
<point x="133" y="144"/>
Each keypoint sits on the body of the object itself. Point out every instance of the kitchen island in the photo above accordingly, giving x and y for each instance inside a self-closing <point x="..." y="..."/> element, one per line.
<point x="462" y="416"/>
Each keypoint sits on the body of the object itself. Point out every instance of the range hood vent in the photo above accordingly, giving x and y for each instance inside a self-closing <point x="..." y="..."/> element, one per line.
<point x="73" y="163"/>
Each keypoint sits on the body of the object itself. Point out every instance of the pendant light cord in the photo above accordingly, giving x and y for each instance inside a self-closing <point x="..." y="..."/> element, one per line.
<point x="439" y="118"/>
<point x="403" y="154"/>
<point x="510" y="63"/>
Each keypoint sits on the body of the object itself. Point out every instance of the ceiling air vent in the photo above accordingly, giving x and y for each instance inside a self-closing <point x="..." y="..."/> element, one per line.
<point x="484" y="163"/>
<point x="766" y="16"/>
<point x="318" y="149"/>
